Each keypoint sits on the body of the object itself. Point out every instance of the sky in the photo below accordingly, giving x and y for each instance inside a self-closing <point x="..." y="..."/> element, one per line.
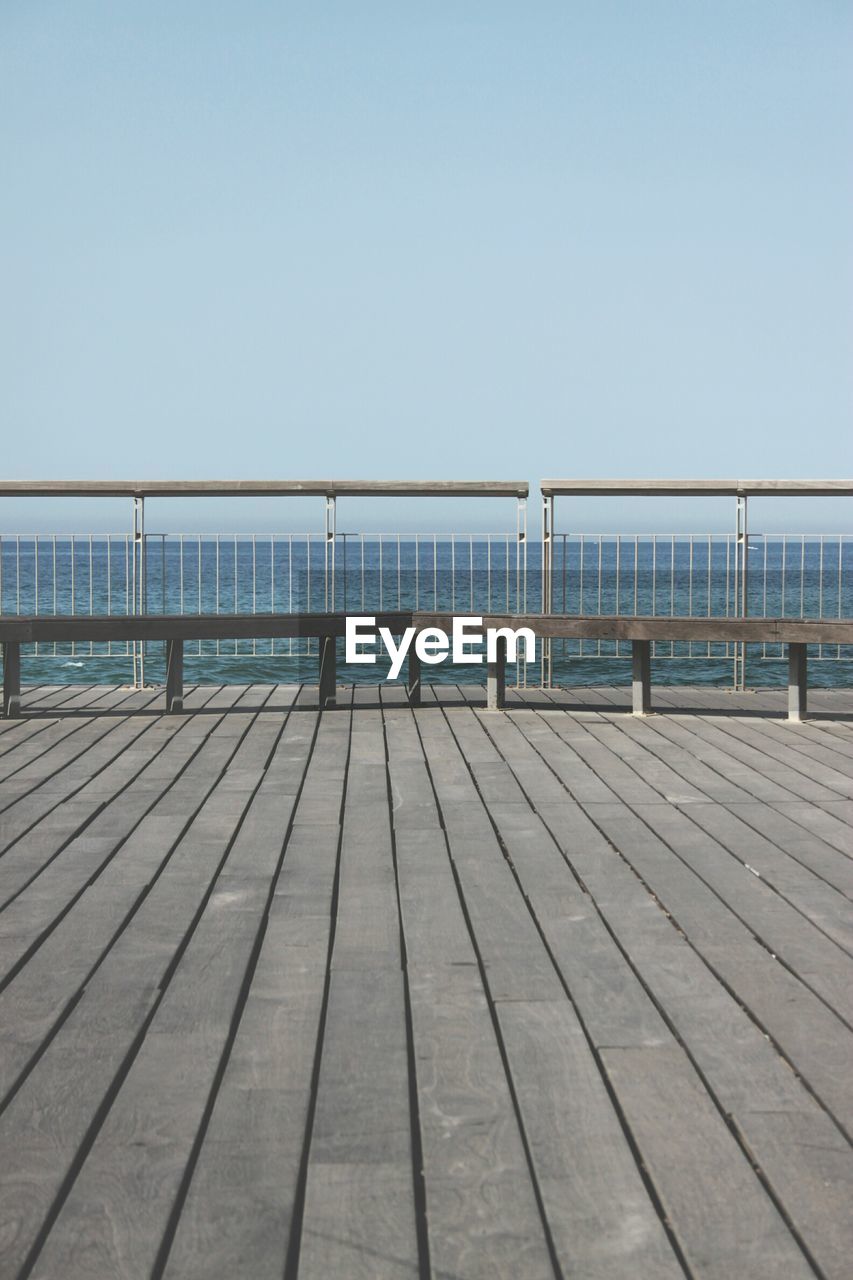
<point x="425" y="241"/>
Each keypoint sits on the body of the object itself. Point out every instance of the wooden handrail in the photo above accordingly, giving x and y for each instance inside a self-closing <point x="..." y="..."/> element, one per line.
<point x="797" y="633"/>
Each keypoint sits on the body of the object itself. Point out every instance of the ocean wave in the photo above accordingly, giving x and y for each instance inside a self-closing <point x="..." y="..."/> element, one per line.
<point x="73" y="664"/>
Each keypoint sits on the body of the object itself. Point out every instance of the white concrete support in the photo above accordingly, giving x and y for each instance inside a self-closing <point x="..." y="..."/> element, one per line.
<point x="496" y="677"/>
<point x="641" y="677"/>
<point x="797" y="681"/>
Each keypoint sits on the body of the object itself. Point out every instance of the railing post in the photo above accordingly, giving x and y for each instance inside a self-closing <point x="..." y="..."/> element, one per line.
<point x="741" y="585"/>
<point x="521" y="579"/>
<point x="547" y="568"/>
<point x="329" y="561"/>
<point x="138" y="585"/>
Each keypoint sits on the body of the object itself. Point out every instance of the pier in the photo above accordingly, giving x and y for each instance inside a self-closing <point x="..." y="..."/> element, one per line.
<point x="396" y="991"/>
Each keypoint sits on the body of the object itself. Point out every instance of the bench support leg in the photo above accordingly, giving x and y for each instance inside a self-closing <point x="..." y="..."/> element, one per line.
<point x="496" y="677"/>
<point x="328" y="671"/>
<point x="413" y="685"/>
<point x="797" y="684"/>
<point x="641" y="677"/>
<point x="11" y="679"/>
<point x="174" y="675"/>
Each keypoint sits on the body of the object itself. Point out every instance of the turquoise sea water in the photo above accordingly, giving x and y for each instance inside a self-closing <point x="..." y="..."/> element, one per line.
<point x="678" y="576"/>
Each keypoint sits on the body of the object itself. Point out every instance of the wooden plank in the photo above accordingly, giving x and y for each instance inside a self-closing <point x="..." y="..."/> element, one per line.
<point x="818" y="960"/>
<point x="185" y="1040"/>
<point x="359" y="1216"/>
<point x="752" y="769"/>
<point x="790" y="880"/>
<point x="598" y="1208"/>
<point x="816" y="739"/>
<point x="96" y="1043"/>
<point x="794" y="631"/>
<point x="34" y="1001"/>
<point x="239" y="1209"/>
<point x="49" y="732"/>
<point x="185" y="626"/>
<point x="815" y="897"/>
<point x="833" y="776"/>
<point x="617" y="1012"/>
<point x="629" y="627"/>
<point x="724" y="1220"/>
<point x="47" y="798"/>
<point x="831" y="864"/>
<point x="595" y="1230"/>
<point x="113" y="706"/>
<point x="695" y="488"/>
<point x="359" y="1207"/>
<point x="44" y="879"/>
<point x="810" y="1035"/>
<point x="820" y="1051"/>
<point x="748" y="1078"/>
<point x="14" y="734"/>
<point x="261" y="488"/>
<point x="482" y="1213"/>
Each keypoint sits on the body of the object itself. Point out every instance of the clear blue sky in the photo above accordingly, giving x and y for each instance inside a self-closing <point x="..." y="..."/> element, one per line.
<point x="470" y="239"/>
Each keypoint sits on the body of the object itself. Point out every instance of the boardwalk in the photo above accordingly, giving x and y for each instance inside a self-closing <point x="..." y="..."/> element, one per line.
<point x="451" y="993"/>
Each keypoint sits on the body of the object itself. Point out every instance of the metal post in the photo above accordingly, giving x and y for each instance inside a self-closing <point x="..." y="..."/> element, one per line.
<point x="521" y="580"/>
<point x="741" y="584"/>
<point x="547" y="570"/>
<point x="330" y="553"/>
<point x="138" y="587"/>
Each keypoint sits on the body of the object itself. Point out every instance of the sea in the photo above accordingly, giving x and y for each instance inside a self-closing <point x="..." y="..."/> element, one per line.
<point x="662" y="575"/>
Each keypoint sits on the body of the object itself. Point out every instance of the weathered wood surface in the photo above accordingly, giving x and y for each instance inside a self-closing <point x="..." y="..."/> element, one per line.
<point x="262" y="488"/>
<point x="26" y="629"/>
<point x="395" y="990"/>
<point x="696" y="488"/>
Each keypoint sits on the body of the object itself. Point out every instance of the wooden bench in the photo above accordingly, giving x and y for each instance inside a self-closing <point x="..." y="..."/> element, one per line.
<point x="175" y="630"/>
<point x="797" y="633"/>
<point x="328" y="627"/>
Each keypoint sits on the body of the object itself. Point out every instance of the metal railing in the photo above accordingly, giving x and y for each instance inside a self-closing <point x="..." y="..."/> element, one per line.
<point x="692" y="575"/>
<point x="730" y="592"/>
<point x="790" y="575"/>
<point x="253" y="573"/>
<point x="727" y="575"/>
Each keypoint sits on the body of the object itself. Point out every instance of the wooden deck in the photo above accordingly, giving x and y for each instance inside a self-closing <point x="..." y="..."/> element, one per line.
<point x="453" y="993"/>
